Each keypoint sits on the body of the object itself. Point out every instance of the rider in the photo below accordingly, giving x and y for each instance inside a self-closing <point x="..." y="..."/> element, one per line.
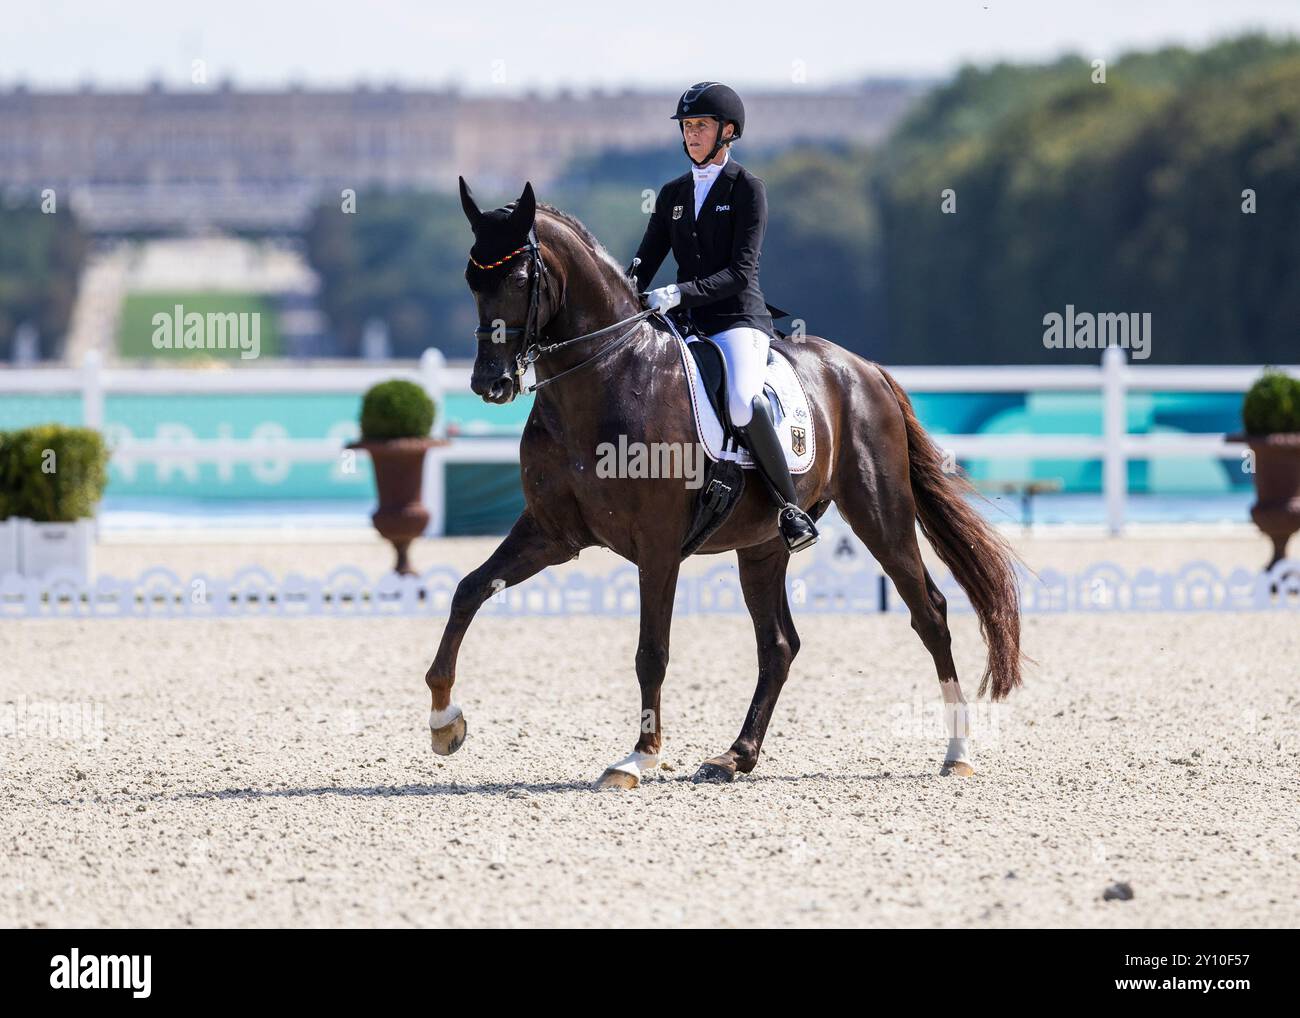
<point x="713" y="219"/>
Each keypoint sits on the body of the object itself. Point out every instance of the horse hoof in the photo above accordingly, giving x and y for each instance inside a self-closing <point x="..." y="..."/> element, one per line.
<point x="720" y="770"/>
<point x="448" y="739"/>
<point x="617" y="779"/>
<point x="957" y="768"/>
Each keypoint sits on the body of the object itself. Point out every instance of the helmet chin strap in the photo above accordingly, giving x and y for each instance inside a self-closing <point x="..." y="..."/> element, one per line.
<point x="718" y="143"/>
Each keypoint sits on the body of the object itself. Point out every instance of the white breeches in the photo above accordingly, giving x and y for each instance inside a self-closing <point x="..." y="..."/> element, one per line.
<point x="745" y="351"/>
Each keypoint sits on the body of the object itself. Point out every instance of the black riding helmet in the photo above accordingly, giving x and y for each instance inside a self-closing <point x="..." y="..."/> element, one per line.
<point x="711" y="99"/>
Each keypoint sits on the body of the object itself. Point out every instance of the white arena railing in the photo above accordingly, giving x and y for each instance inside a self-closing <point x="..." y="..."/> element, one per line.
<point x="1114" y="377"/>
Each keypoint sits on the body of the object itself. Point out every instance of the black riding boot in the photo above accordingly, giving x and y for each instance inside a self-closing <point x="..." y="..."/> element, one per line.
<point x="759" y="436"/>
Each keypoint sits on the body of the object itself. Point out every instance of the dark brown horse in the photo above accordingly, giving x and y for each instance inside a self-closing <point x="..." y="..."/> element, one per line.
<point x="540" y="277"/>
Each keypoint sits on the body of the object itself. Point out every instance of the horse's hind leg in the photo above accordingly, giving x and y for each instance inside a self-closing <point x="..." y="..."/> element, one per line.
<point x="762" y="578"/>
<point x="956" y="715"/>
<point x="526" y="551"/>
<point x="886" y="523"/>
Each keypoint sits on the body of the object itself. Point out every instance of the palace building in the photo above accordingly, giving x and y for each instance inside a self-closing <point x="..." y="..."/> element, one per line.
<point x="162" y="159"/>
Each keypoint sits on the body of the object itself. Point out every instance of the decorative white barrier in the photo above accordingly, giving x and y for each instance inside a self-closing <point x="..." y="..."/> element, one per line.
<point x="821" y="588"/>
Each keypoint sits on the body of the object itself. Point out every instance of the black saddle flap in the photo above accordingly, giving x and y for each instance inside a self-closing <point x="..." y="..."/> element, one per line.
<point x="724" y="484"/>
<point x="713" y="371"/>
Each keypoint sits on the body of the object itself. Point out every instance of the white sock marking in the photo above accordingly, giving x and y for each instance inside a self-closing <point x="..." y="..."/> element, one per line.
<point x="636" y="763"/>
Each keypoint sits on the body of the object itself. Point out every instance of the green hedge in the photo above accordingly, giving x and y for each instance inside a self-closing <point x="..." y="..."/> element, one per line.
<point x="52" y="473"/>
<point x="1272" y="405"/>
<point x="396" y="409"/>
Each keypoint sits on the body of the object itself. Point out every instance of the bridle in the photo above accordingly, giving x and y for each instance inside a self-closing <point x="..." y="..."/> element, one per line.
<point x="532" y="348"/>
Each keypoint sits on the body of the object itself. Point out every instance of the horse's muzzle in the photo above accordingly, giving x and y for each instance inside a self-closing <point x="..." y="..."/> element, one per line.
<point x="498" y="390"/>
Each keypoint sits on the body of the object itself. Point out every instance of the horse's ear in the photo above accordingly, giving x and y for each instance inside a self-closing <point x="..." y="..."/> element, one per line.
<point x="471" y="208"/>
<point x="524" y="212"/>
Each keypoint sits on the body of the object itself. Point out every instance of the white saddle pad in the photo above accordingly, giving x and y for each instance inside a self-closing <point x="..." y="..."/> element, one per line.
<point x="793" y="416"/>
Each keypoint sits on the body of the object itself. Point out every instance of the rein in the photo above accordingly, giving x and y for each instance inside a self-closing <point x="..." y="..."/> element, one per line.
<point x="533" y="349"/>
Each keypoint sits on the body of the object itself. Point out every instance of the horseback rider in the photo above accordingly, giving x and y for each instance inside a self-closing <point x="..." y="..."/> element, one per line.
<point x="713" y="219"/>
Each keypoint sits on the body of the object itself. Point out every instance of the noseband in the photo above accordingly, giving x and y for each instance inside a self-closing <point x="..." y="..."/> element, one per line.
<point x="531" y="349"/>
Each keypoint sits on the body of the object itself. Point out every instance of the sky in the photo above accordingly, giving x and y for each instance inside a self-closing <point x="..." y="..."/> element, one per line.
<point x="512" y="45"/>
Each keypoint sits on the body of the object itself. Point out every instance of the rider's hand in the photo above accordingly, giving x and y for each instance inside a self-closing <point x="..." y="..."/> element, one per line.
<point x="664" y="299"/>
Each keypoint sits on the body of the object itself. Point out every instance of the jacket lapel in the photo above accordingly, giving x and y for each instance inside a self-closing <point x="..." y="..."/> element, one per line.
<point x="688" y="196"/>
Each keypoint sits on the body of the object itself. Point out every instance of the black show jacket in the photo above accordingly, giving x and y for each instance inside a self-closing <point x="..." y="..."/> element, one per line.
<point x="717" y="257"/>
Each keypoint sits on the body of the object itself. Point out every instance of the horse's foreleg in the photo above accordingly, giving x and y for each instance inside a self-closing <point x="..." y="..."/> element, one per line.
<point x="526" y="551"/>
<point x="762" y="578"/>
<point x="658" y="587"/>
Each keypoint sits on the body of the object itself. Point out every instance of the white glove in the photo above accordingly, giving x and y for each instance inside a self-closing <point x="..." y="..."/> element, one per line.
<point x="664" y="299"/>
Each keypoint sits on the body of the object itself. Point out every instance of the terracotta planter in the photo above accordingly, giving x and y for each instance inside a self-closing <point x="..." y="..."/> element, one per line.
<point x="1277" y="487"/>
<point x="399" y="477"/>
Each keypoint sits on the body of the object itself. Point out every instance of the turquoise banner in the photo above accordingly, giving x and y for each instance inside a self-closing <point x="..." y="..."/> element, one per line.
<point x="333" y="416"/>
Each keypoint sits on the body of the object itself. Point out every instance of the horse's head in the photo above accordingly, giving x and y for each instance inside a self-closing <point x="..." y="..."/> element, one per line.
<point x="509" y="281"/>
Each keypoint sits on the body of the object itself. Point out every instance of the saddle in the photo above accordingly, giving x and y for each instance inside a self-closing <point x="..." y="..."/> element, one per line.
<point x="787" y="402"/>
<point x="724" y="480"/>
<point x="713" y="372"/>
<point x="727" y="459"/>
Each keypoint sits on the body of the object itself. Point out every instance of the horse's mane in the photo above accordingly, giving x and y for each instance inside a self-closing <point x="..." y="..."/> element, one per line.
<point x="597" y="248"/>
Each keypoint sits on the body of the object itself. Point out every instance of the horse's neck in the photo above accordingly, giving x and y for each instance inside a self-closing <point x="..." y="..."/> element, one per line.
<point x="598" y="390"/>
<point x="592" y="302"/>
<point x="606" y="393"/>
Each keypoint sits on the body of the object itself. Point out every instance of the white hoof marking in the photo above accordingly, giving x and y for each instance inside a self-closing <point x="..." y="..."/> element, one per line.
<point x="442" y="718"/>
<point x="636" y="764"/>
<point x="958" y="751"/>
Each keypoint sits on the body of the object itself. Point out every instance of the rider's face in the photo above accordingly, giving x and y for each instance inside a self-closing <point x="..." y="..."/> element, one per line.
<point x="699" y="133"/>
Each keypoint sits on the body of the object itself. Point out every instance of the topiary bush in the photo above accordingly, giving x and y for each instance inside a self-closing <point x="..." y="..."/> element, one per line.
<point x="396" y="409"/>
<point x="52" y="473"/>
<point x="1272" y="405"/>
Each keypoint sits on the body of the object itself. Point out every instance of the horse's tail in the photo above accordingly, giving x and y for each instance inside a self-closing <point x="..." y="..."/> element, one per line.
<point x="980" y="559"/>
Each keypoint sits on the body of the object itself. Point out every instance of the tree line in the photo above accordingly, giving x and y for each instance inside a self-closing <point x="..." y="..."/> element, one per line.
<point x="41" y="255"/>
<point x="1166" y="183"/>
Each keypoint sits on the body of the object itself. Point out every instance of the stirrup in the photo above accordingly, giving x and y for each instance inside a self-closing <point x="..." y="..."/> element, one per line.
<point x="797" y="528"/>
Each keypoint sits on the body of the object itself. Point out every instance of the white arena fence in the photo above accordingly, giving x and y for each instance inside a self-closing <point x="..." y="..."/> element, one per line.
<point x="823" y="587"/>
<point x="1113" y="378"/>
